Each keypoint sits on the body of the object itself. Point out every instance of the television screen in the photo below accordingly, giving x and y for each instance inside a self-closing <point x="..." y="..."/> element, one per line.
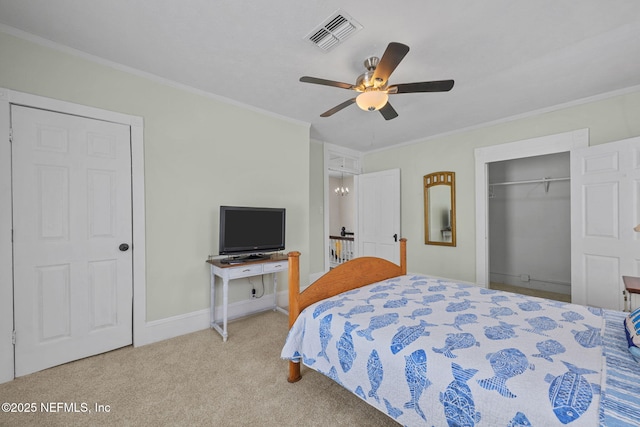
<point x="251" y="229"/>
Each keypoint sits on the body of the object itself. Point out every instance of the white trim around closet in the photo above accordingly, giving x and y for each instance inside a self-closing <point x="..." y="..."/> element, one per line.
<point x="550" y="144"/>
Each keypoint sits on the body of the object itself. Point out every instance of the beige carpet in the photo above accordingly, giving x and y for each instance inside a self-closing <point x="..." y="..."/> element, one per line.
<point x="193" y="380"/>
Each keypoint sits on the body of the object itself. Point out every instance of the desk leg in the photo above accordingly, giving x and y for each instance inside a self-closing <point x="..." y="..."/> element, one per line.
<point x="225" y="303"/>
<point x="275" y="289"/>
<point x="213" y="298"/>
<point x="225" y="299"/>
<point x="275" y="297"/>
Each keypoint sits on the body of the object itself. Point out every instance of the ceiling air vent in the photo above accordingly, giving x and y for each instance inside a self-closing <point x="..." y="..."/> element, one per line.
<point x="334" y="30"/>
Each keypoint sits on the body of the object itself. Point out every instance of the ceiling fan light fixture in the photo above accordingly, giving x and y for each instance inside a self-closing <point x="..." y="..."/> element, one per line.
<point x="372" y="100"/>
<point x="373" y="84"/>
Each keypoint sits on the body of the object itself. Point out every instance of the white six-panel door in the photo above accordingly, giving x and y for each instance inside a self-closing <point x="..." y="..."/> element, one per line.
<point x="379" y="214"/>
<point x="71" y="212"/>
<point x="605" y="207"/>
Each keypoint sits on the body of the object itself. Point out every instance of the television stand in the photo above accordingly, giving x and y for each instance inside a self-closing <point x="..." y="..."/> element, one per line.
<point x="247" y="268"/>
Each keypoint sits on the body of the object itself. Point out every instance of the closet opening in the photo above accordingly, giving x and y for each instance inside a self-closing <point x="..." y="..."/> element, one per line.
<point x="529" y="225"/>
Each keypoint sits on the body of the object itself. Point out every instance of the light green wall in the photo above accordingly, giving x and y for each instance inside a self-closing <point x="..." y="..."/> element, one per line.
<point x="316" y="209"/>
<point x="608" y="120"/>
<point x="200" y="153"/>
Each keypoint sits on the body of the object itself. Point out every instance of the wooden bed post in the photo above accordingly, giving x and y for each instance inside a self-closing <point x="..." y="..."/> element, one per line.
<point x="403" y="255"/>
<point x="294" y="307"/>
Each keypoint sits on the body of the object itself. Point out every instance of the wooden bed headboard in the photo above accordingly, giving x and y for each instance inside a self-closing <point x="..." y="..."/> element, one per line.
<point x="350" y="275"/>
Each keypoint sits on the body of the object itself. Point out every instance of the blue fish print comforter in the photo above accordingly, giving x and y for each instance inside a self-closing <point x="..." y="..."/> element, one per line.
<point x="440" y="353"/>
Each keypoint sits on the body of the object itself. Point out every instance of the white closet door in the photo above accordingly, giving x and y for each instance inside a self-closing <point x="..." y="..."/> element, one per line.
<point x="379" y="214"/>
<point x="605" y="207"/>
<point x="72" y="211"/>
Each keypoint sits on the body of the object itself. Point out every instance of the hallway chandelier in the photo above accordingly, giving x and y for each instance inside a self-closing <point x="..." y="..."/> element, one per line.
<point x="342" y="190"/>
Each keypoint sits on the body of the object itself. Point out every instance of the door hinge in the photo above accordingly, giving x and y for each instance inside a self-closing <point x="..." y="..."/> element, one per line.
<point x="13" y="337"/>
<point x="10" y="135"/>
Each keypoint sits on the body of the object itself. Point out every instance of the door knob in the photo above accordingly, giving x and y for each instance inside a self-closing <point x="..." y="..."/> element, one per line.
<point x="123" y="247"/>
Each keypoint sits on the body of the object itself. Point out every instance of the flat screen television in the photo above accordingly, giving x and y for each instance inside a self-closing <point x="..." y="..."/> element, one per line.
<point x="251" y="230"/>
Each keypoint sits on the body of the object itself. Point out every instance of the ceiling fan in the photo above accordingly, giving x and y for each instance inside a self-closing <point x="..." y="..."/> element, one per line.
<point x="373" y="84"/>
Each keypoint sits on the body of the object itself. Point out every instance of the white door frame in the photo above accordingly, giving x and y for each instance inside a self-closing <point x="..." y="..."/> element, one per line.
<point x="550" y="144"/>
<point x="354" y="168"/>
<point x="8" y="97"/>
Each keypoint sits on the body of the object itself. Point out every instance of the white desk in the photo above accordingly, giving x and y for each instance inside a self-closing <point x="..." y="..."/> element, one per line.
<point x="227" y="272"/>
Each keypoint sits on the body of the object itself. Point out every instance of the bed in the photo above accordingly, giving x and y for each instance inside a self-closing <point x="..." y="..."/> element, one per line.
<point x="429" y="351"/>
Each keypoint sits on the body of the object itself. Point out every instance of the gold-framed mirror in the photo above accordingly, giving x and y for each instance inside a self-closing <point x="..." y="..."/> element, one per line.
<point x="440" y="209"/>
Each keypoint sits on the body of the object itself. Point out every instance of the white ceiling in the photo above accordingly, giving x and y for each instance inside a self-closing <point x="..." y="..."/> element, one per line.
<point x="508" y="58"/>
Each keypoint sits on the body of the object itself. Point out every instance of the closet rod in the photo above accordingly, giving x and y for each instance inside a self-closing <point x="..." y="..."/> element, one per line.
<point x="532" y="181"/>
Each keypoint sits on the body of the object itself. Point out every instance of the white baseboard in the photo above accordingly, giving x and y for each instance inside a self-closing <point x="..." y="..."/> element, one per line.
<point x="171" y="327"/>
<point x="512" y="280"/>
<point x="255" y="305"/>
